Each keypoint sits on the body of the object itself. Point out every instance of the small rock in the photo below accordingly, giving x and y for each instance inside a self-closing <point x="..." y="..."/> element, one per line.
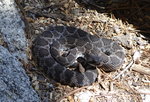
<point x="116" y="29"/>
<point x="126" y="40"/>
<point x="83" y="96"/>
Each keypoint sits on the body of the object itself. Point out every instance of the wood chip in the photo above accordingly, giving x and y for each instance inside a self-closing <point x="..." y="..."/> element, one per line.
<point x="141" y="69"/>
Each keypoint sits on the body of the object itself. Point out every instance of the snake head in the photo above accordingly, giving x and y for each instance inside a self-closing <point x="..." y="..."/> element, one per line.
<point x="83" y="64"/>
<point x="97" y="60"/>
<point x="93" y="60"/>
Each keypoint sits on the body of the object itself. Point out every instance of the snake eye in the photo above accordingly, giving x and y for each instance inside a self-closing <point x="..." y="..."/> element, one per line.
<point x="107" y="52"/>
<point x="81" y="59"/>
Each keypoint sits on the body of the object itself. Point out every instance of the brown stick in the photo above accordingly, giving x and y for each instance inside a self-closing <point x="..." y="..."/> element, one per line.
<point x="72" y="92"/>
<point x="141" y="69"/>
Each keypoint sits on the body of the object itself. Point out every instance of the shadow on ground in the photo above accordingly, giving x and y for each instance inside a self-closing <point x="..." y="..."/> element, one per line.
<point x="135" y="12"/>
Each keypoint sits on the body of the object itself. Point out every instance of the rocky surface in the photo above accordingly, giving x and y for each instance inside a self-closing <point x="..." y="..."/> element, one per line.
<point x="14" y="82"/>
<point x="12" y="29"/>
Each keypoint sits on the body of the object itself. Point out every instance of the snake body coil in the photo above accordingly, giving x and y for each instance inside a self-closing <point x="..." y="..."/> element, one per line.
<point x="61" y="47"/>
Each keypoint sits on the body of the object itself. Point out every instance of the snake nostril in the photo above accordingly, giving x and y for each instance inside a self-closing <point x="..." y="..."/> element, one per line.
<point x="65" y="53"/>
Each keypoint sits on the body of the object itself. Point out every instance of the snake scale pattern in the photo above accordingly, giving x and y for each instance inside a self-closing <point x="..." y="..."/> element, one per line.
<point x="71" y="56"/>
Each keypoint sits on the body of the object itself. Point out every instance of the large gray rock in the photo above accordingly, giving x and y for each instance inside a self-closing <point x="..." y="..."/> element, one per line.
<point x="12" y="29"/>
<point x="14" y="83"/>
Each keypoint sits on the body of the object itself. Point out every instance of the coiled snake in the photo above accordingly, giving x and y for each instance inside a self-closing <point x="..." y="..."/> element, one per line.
<point x="60" y="48"/>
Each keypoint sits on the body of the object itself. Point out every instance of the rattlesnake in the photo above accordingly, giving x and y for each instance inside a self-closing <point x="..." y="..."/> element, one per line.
<point x="60" y="48"/>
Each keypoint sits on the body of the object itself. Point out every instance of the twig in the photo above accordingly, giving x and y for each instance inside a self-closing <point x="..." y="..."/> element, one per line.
<point x="127" y="67"/>
<point x="134" y="58"/>
<point x="141" y="69"/>
<point x="72" y="92"/>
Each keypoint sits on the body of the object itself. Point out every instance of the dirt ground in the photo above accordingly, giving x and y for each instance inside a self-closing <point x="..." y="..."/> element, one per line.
<point x="127" y="21"/>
